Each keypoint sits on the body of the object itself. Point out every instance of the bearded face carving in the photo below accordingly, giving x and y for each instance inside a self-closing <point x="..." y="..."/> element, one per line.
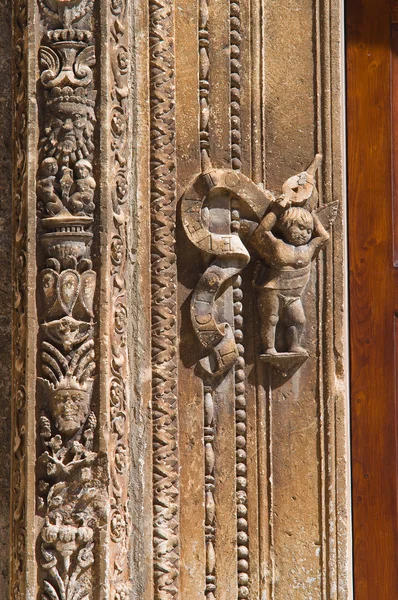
<point x="69" y="133"/>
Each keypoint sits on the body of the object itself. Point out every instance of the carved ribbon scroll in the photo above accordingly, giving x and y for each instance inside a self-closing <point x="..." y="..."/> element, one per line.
<point x="231" y="257"/>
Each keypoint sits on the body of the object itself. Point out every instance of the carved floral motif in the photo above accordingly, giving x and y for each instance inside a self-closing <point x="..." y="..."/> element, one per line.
<point x="119" y="171"/>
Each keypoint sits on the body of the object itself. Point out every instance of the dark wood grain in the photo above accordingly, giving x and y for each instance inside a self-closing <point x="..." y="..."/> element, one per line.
<point x="372" y="287"/>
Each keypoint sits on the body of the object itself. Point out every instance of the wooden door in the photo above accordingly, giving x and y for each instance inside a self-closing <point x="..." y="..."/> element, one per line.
<point x="372" y="125"/>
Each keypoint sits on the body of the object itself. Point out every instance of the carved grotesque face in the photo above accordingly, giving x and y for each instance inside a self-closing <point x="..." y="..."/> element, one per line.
<point x="70" y="133"/>
<point x="70" y="408"/>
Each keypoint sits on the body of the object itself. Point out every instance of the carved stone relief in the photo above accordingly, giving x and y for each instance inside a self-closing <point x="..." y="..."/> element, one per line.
<point x="81" y="470"/>
<point x="178" y="384"/>
<point x="163" y="202"/>
<point x="285" y="242"/>
<point x="19" y="424"/>
<point x="71" y="479"/>
<point x="258" y="250"/>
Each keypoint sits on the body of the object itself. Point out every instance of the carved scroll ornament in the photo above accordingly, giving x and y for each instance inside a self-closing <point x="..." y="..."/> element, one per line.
<point x="283" y="234"/>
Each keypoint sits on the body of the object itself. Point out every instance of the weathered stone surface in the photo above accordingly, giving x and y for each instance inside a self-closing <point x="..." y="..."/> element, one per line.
<point x="71" y="395"/>
<point x="5" y="287"/>
<point x="179" y="399"/>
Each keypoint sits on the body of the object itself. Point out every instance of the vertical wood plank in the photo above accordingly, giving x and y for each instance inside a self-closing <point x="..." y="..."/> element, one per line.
<point x="373" y="363"/>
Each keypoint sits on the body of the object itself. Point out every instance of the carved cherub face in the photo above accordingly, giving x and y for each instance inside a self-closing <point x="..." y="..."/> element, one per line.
<point x="70" y="408"/>
<point x="49" y="167"/>
<point x="83" y="169"/>
<point x="297" y="226"/>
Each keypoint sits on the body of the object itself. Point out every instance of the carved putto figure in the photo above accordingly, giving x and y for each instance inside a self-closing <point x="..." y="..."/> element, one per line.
<point x="47" y="186"/>
<point x="285" y="234"/>
<point x="288" y="239"/>
<point x="81" y="201"/>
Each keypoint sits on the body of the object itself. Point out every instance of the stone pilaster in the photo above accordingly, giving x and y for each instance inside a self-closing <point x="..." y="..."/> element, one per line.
<point x="72" y="90"/>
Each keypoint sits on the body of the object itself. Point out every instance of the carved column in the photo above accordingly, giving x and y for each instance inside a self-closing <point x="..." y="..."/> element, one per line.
<point x="71" y="192"/>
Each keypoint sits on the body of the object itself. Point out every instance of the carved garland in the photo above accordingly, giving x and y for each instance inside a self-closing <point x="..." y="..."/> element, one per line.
<point x="18" y="485"/>
<point x="164" y="301"/>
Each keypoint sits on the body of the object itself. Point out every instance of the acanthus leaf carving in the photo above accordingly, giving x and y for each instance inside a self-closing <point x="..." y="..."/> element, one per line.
<point x="119" y="117"/>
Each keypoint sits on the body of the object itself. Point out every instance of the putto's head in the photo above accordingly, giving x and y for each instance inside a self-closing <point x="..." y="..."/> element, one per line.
<point x="296" y="226"/>
<point x="83" y="168"/>
<point x="49" y="167"/>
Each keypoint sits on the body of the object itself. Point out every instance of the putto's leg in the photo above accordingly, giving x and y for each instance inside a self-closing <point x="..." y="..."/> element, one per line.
<point x="295" y="322"/>
<point x="268" y="308"/>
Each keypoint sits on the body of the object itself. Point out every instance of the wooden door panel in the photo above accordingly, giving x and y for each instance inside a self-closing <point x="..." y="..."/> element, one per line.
<point x="372" y="285"/>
